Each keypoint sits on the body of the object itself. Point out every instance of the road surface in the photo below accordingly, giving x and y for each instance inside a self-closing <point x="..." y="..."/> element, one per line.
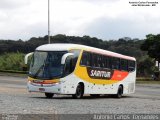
<point x="15" y="99"/>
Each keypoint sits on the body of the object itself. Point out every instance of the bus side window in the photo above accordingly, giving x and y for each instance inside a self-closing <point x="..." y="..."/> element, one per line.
<point x="131" y="65"/>
<point x="99" y="61"/>
<point x="85" y="60"/>
<point x="115" y="63"/>
<point x="89" y="60"/>
<point x="124" y="65"/>
<point x="95" y="60"/>
<point x="112" y="63"/>
<point x="103" y="61"/>
<point x="109" y="62"/>
<point x="106" y="62"/>
<point x="118" y="63"/>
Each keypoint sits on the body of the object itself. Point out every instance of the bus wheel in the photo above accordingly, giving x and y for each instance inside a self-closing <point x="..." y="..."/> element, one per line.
<point x="49" y="95"/>
<point x="95" y="95"/>
<point x="119" y="92"/>
<point x="79" y="92"/>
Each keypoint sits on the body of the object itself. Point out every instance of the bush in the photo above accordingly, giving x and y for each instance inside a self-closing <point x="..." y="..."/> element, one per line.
<point x="157" y="75"/>
<point x="12" y="61"/>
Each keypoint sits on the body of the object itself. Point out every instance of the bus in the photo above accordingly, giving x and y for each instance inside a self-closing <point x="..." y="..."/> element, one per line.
<point x="76" y="70"/>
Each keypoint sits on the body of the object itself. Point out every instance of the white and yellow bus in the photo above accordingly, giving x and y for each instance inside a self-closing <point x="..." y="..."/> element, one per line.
<point x="78" y="69"/>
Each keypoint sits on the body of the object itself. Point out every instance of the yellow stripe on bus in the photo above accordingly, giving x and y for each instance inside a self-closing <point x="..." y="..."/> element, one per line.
<point x="47" y="81"/>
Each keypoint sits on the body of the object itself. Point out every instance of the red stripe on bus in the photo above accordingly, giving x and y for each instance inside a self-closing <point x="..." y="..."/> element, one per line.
<point x="119" y="75"/>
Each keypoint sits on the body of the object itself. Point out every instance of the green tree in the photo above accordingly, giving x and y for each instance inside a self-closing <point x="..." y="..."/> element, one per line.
<point x="152" y="46"/>
<point x="146" y="66"/>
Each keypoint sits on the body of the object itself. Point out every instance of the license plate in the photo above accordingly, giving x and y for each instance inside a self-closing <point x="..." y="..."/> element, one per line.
<point x="41" y="89"/>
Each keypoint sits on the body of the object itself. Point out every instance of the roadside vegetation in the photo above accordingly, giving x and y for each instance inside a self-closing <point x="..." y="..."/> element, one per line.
<point x="147" y="80"/>
<point x="12" y="61"/>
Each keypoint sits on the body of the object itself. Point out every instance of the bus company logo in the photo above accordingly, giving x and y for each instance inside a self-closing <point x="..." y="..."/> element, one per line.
<point x="99" y="73"/>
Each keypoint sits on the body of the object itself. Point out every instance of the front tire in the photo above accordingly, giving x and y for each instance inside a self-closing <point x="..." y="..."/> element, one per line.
<point x="49" y="95"/>
<point x="79" y="92"/>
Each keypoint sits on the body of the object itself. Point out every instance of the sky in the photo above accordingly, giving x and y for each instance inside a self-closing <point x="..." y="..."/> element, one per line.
<point x="104" y="19"/>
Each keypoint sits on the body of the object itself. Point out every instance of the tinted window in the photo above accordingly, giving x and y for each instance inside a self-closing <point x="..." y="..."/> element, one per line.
<point x="115" y="63"/>
<point x="103" y="61"/>
<point x="107" y="62"/>
<point x="100" y="60"/>
<point x="86" y="59"/>
<point x="131" y="65"/>
<point x="124" y="65"/>
<point x="95" y="60"/>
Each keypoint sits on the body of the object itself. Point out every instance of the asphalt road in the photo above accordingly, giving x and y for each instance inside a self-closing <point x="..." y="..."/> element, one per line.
<point x="15" y="99"/>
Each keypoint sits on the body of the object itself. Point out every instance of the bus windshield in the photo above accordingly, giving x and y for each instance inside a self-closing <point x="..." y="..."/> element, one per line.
<point x="46" y="65"/>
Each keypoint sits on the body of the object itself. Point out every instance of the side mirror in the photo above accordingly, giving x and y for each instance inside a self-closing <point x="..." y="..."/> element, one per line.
<point x="26" y="57"/>
<point x="64" y="57"/>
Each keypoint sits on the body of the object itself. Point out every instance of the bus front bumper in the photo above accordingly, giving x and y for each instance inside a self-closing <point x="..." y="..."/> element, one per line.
<point x="44" y="88"/>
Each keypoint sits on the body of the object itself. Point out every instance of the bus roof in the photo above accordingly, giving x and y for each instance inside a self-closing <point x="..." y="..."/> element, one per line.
<point x="68" y="46"/>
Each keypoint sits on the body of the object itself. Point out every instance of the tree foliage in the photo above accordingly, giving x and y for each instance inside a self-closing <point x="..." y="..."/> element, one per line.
<point x="146" y="66"/>
<point x="152" y="46"/>
<point x="126" y="46"/>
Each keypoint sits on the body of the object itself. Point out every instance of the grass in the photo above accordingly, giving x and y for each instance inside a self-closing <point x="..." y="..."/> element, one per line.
<point x="146" y="80"/>
<point x="13" y="74"/>
<point x="13" y="71"/>
<point x="143" y="79"/>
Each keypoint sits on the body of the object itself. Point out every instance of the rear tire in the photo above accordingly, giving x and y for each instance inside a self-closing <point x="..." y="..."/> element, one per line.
<point x="49" y="95"/>
<point x="119" y="92"/>
<point x="79" y="92"/>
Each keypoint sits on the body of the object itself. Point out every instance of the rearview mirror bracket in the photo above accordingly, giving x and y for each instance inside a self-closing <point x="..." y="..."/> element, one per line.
<point x="64" y="57"/>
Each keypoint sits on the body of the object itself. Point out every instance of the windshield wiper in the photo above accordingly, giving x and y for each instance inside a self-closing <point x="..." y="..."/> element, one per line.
<point x="38" y="71"/>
